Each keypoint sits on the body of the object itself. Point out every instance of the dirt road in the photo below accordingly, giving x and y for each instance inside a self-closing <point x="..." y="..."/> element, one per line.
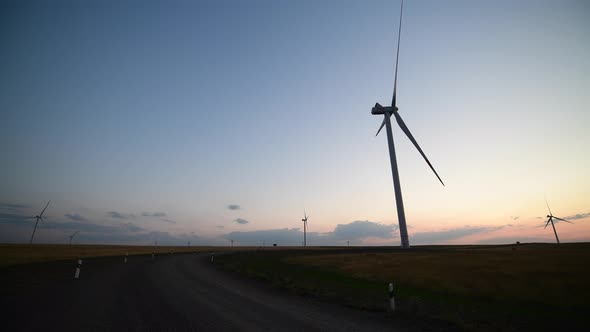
<point x="170" y="292"/>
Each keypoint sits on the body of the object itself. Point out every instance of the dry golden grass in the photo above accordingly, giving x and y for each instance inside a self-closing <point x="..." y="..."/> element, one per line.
<point x="543" y="273"/>
<point x="14" y="254"/>
<point x="536" y="287"/>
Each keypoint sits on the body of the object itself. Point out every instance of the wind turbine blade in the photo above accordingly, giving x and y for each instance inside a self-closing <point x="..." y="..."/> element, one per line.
<point x="42" y="220"/>
<point x="563" y="220"/>
<point x="403" y="126"/>
<point x="547" y="224"/>
<point x="45" y="208"/>
<point x="382" y="125"/>
<point x="399" y="35"/>
<point x="550" y="213"/>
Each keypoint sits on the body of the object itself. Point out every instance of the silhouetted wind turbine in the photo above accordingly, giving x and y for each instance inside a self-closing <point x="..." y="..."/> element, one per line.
<point x="305" y="216"/>
<point x="550" y="217"/>
<point x="387" y="112"/>
<point x="72" y="236"/>
<point x="38" y="217"/>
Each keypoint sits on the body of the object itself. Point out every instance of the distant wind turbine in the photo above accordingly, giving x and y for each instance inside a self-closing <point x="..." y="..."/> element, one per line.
<point x="305" y="216"/>
<point x="72" y="236"/>
<point x="387" y="112"/>
<point x="38" y="217"/>
<point x="550" y="217"/>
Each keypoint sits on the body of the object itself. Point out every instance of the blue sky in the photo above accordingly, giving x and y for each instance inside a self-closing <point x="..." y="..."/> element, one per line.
<point x="186" y="107"/>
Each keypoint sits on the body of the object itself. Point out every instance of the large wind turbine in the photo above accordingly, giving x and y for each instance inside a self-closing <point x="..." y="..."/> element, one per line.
<point x="72" y="236"/>
<point x="38" y="217"/>
<point x="387" y="112"/>
<point x="550" y="217"/>
<point x="305" y="216"/>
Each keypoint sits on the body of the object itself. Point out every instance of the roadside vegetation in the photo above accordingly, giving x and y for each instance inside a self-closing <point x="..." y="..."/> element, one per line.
<point x="533" y="287"/>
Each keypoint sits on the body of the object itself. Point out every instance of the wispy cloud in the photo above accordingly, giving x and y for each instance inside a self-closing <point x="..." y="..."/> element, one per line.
<point x="220" y="226"/>
<point x="119" y="215"/>
<point x="75" y="217"/>
<point x="170" y="221"/>
<point x="153" y="214"/>
<point x="12" y="216"/>
<point x="11" y="206"/>
<point x="241" y="221"/>
<point x="233" y="207"/>
<point x="514" y="217"/>
<point x="578" y="216"/>
<point x="440" y="237"/>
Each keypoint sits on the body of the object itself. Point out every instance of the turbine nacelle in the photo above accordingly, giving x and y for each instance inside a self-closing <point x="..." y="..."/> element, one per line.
<point x="378" y="109"/>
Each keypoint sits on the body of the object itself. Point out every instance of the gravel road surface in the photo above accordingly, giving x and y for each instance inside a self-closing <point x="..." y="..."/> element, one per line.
<point x="179" y="292"/>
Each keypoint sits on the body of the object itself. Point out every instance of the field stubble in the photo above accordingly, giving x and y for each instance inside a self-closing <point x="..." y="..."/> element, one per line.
<point x="531" y="287"/>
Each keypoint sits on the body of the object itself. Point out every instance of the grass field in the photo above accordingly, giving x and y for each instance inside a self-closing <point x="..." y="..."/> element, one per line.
<point x="14" y="254"/>
<point x="485" y="288"/>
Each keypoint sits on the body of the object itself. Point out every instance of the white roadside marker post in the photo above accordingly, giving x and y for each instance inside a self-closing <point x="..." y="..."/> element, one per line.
<point x="77" y="273"/>
<point x="153" y="255"/>
<point x="391" y="298"/>
<point x="126" y="255"/>
<point x="212" y="256"/>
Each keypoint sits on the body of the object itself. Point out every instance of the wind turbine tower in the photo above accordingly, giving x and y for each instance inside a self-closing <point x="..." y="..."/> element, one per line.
<point x="305" y="216"/>
<point x="38" y="217"/>
<point x="72" y="236"/>
<point x="387" y="112"/>
<point x="550" y="218"/>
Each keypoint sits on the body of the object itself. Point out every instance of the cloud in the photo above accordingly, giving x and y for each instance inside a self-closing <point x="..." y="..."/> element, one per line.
<point x="439" y="237"/>
<point x="10" y="206"/>
<point x="169" y="221"/>
<point x="132" y="227"/>
<point x="153" y="214"/>
<point x="241" y="221"/>
<point x="578" y="216"/>
<point x="514" y="217"/>
<point x="220" y="226"/>
<point x="354" y="231"/>
<point x="14" y="228"/>
<point x="13" y="216"/>
<point x="233" y="207"/>
<point x="75" y="217"/>
<point x="363" y="229"/>
<point x="118" y="215"/>
<point x="18" y="231"/>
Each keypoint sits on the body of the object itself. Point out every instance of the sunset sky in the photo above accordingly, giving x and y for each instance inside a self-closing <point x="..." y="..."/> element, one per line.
<point x="203" y="121"/>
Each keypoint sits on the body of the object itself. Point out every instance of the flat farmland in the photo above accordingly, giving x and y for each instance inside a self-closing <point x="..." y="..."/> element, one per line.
<point x="17" y="254"/>
<point x="509" y="288"/>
